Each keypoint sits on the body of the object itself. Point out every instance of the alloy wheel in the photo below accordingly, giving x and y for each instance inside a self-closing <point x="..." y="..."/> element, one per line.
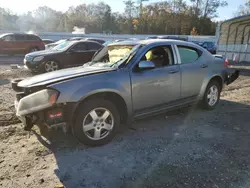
<point x="51" y="66"/>
<point x="98" y="123"/>
<point x="213" y="95"/>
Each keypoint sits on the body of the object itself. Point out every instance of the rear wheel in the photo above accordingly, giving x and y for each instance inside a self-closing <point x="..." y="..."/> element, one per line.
<point x="50" y="66"/>
<point x="97" y="122"/>
<point x="212" y="95"/>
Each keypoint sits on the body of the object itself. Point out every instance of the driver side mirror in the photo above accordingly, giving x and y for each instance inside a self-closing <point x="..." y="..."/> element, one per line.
<point x="143" y="65"/>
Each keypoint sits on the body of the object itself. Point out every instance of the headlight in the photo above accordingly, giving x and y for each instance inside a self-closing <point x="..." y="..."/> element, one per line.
<point x="37" y="101"/>
<point x="39" y="58"/>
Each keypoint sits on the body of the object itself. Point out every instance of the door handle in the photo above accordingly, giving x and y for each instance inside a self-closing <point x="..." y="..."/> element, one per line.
<point x="204" y="66"/>
<point x="173" y="71"/>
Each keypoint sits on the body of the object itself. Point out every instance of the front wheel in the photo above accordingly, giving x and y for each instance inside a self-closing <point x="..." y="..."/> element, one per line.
<point x="212" y="95"/>
<point x="97" y="122"/>
<point x="50" y="66"/>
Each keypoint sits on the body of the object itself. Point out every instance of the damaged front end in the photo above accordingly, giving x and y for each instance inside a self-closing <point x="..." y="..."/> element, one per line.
<point x="37" y="106"/>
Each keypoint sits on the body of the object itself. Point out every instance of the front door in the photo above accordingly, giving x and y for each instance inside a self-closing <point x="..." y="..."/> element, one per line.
<point x="154" y="89"/>
<point x="76" y="55"/>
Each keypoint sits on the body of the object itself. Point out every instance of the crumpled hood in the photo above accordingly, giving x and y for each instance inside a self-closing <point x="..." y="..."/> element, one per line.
<point x="56" y="76"/>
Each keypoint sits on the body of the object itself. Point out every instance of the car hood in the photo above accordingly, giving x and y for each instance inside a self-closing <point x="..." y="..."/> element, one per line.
<point x="60" y="75"/>
<point x="43" y="53"/>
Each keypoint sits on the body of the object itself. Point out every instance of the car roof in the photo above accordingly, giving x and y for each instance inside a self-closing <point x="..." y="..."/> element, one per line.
<point x="149" y="41"/>
<point x="5" y="34"/>
<point x="84" y="41"/>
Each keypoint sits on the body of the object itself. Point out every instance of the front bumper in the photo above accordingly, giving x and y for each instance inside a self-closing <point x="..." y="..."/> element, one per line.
<point x="33" y="66"/>
<point x="54" y="117"/>
<point x="57" y="116"/>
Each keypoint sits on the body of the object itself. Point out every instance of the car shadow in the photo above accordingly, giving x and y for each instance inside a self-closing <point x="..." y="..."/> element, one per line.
<point x="185" y="147"/>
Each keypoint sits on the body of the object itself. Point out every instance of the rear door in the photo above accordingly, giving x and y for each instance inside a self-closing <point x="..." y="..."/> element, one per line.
<point x="193" y="68"/>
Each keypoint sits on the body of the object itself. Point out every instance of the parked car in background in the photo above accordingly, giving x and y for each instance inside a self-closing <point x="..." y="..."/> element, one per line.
<point x="96" y="40"/>
<point x="125" y="81"/>
<point x="210" y="46"/>
<point x="65" y="54"/>
<point x="20" y="43"/>
<point x="47" y="41"/>
<point x="152" y="37"/>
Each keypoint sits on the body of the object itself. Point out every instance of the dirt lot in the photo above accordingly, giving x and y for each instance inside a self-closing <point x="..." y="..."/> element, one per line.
<point x="187" y="148"/>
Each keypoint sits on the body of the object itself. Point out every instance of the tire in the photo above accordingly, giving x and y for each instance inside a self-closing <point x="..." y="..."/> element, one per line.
<point x="50" y="66"/>
<point x="209" y="103"/>
<point x="90" y="135"/>
<point x="33" y="49"/>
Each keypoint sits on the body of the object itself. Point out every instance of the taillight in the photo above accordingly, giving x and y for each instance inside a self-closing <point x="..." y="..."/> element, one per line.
<point x="226" y="64"/>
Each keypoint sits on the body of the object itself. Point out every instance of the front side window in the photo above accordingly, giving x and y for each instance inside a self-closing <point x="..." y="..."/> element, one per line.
<point x="9" y="38"/>
<point x="188" y="55"/>
<point x="93" y="46"/>
<point x="161" y="56"/>
<point x="80" y="47"/>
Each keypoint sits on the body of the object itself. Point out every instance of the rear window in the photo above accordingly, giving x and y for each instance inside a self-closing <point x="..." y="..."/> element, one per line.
<point x="188" y="54"/>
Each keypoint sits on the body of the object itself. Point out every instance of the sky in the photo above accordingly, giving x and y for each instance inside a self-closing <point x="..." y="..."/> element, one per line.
<point x="22" y="6"/>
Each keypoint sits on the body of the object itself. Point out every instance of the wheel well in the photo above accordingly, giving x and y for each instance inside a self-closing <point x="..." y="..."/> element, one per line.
<point x="218" y="79"/>
<point x="116" y="99"/>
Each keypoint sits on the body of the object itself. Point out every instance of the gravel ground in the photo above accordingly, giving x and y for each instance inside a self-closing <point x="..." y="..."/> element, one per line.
<point x="185" y="148"/>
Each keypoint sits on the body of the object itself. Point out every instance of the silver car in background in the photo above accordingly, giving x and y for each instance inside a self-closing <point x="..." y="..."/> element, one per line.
<point x="125" y="81"/>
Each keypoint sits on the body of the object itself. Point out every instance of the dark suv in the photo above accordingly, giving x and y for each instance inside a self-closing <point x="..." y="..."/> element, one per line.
<point x="15" y="43"/>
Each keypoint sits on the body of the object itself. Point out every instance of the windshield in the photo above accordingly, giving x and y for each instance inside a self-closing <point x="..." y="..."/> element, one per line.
<point x="63" y="45"/>
<point x="114" y="55"/>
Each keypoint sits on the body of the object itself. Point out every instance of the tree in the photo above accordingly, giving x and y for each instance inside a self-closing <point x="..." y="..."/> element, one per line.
<point x="194" y="32"/>
<point x="243" y="9"/>
<point x="130" y="12"/>
<point x="160" y="18"/>
<point x="207" y="8"/>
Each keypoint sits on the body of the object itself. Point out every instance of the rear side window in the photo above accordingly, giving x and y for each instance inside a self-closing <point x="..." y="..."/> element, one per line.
<point x="188" y="55"/>
<point x="93" y="46"/>
<point x="20" y="37"/>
